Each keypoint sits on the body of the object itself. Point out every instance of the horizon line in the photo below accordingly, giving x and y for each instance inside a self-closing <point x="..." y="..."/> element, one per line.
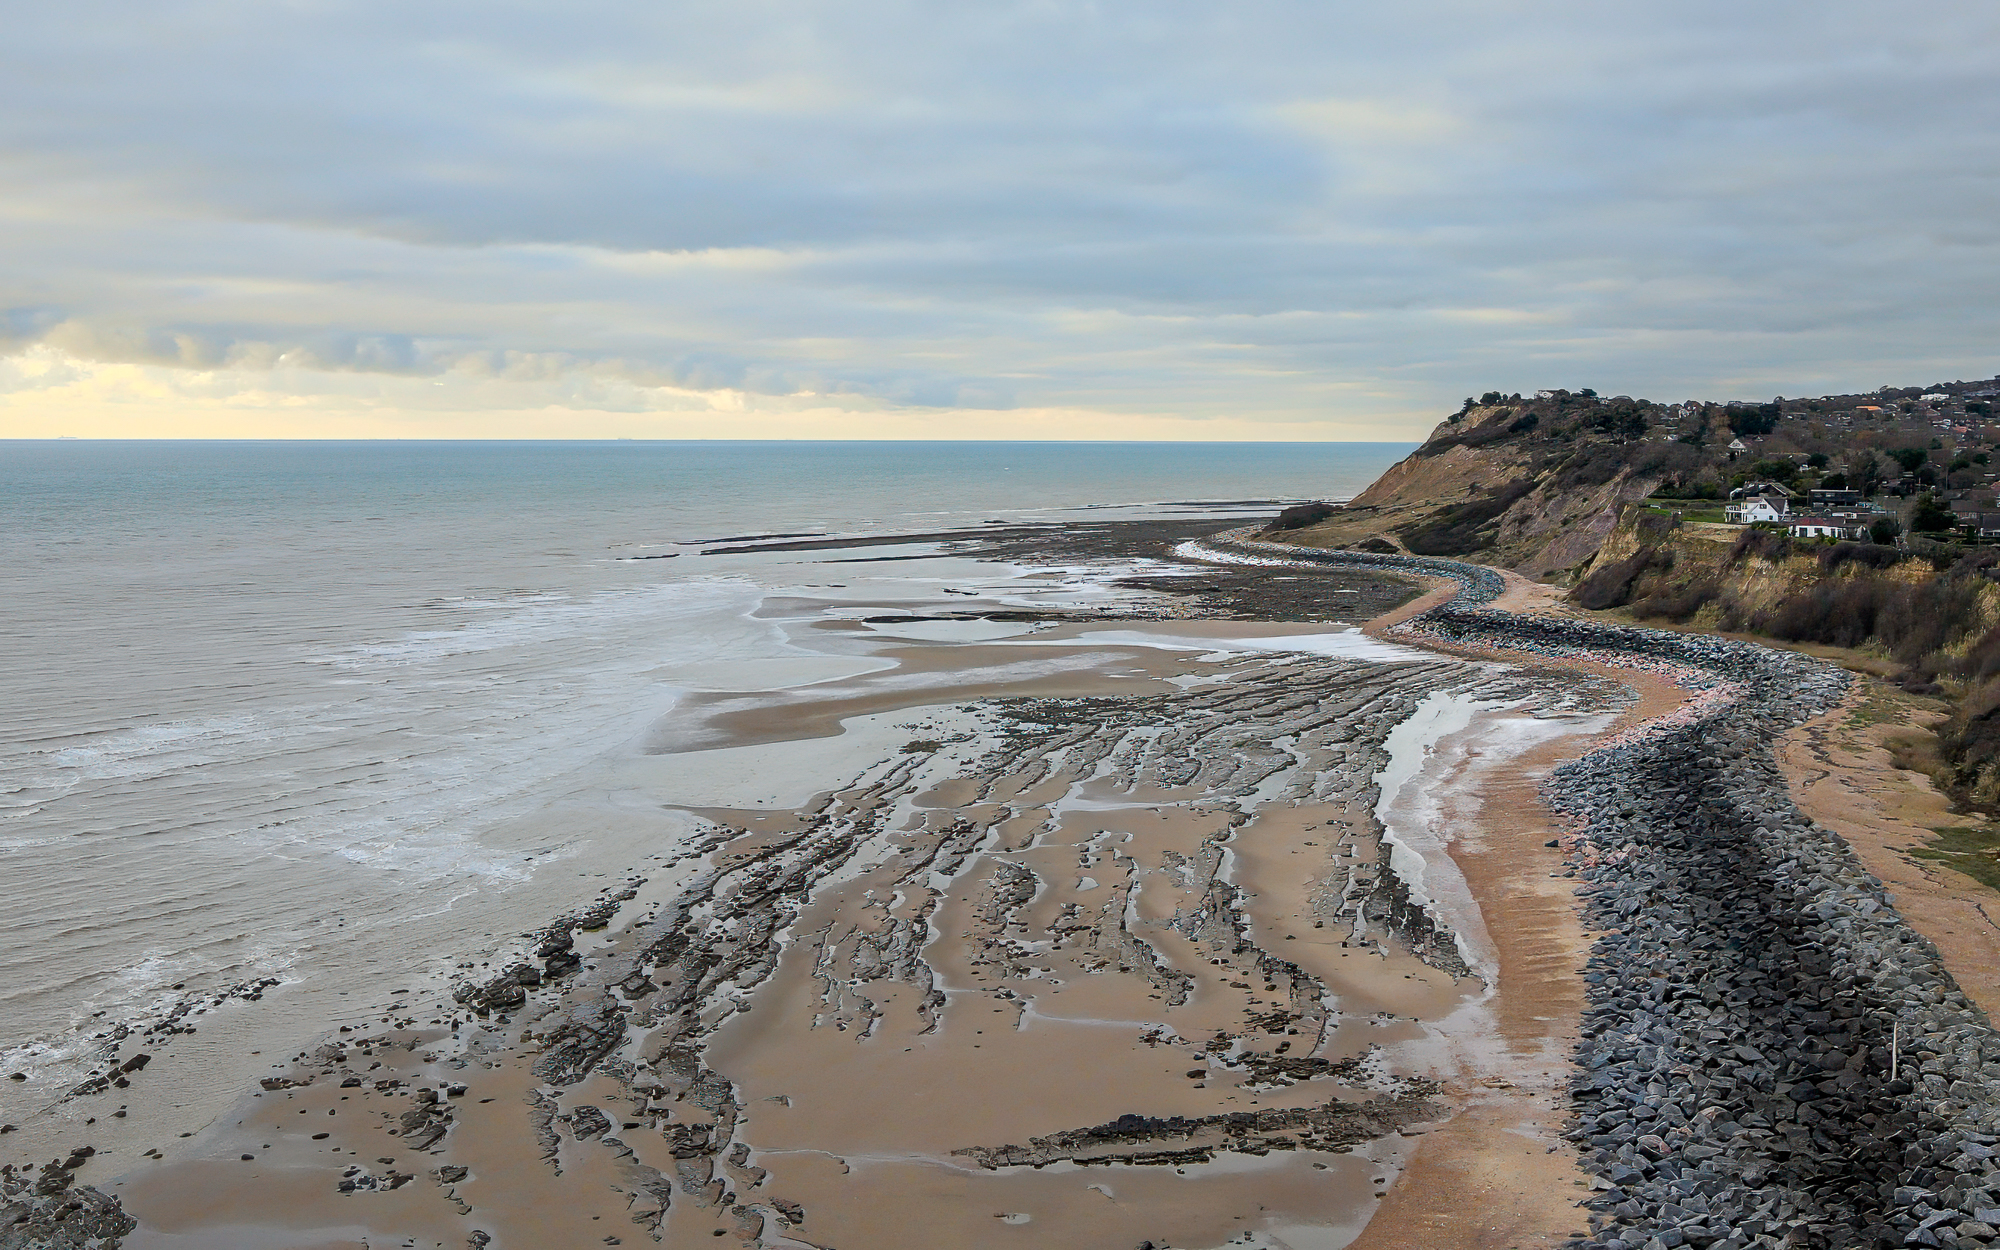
<point x="1053" y="442"/>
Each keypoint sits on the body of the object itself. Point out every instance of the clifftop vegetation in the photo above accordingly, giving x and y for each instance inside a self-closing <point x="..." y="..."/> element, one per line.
<point x="1537" y="483"/>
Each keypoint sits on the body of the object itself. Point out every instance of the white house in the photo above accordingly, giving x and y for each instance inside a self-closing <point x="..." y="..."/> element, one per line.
<point x="1737" y="444"/>
<point x="1826" y="527"/>
<point x="1761" y="508"/>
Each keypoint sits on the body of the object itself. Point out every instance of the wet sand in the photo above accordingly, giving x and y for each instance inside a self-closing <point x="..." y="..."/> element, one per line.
<point x="1069" y="936"/>
<point x="1126" y="962"/>
<point x="1498" y="1174"/>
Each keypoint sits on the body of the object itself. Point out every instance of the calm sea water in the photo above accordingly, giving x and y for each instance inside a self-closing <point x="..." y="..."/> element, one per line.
<point x="262" y="703"/>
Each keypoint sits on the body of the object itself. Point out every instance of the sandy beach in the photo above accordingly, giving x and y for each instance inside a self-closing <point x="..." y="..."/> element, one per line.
<point x="1118" y="955"/>
<point x="1172" y="928"/>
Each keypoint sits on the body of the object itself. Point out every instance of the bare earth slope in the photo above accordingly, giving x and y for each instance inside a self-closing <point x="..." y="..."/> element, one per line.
<point x="1534" y="487"/>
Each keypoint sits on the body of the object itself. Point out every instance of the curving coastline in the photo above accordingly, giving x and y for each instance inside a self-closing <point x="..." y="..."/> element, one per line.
<point x="1163" y="918"/>
<point x="1771" y="1056"/>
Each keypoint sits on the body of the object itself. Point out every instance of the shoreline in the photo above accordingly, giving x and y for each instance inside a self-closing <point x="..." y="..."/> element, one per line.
<point x="412" y="1020"/>
<point x="1094" y="871"/>
<point x="1169" y="973"/>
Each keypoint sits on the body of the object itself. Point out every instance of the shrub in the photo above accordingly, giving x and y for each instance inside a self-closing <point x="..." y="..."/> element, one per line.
<point x="1677" y="603"/>
<point x="1775" y="470"/>
<point x="1867" y="555"/>
<point x="1611" y="586"/>
<point x="1592" y="465"/>
<point x="1458" y="529"/>
<point x="1652" y="527"/>
<point x="1762" y="543"/>
<point x="1300" y="515"/>
<point x="1840" y="613"/>
<point x="1483" y="435"/>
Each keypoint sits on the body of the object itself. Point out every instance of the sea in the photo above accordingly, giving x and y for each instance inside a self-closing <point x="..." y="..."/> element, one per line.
<point x="308" y="710"/>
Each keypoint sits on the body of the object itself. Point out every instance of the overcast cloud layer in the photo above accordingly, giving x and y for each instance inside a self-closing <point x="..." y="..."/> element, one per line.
<point x="1259" y="219"/>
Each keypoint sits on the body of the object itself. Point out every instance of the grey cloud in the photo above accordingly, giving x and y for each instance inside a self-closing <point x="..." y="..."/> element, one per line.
<point x="1288" y="209"/>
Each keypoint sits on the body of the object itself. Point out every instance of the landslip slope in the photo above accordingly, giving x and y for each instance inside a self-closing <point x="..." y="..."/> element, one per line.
<point x="1535" y="486"/>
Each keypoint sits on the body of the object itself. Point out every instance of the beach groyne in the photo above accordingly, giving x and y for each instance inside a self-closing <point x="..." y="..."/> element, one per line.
<point x="1771" y="1056"/>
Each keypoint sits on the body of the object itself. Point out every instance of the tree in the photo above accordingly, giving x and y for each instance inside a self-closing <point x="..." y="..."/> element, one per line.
<point x="1864" y="472"/>
<point x="1930" y="516"/>
<point x="1751" y="422"/>
<point x="1490" y="398"/>
<point x="1623" y="417"/>
<point x="1885" y="529"/>
<point x="1817" y="460"/>
<point x="1910" y="457"/>
<point x="1834" y="481"/>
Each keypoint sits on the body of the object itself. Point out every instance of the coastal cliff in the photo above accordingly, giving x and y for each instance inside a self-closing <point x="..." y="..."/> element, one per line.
<point x="1925" y="614"/>
<point x="1535" y="486"/>
<point x="1617" y="498"/>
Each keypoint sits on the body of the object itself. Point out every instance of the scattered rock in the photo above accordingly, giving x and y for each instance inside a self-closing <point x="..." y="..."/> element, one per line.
<point x="1139" y="1139"/>
<point x="587" y="1122"/>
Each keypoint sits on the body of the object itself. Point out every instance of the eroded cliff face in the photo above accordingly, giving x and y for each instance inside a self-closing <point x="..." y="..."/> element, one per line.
<point x="1726" y="576"/>
<point x="1932" y="618"/>
<point x="1535" y="487"/>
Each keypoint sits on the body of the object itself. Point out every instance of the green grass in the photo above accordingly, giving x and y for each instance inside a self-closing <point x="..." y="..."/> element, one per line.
<point x="1879" y="709"/>
<point x="1966" y="849"/>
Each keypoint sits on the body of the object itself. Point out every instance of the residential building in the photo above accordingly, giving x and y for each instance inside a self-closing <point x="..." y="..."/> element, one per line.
<point x="1826" y="527"/>
<point x="1771" y="490"/>
<point x="1758" y="508"/>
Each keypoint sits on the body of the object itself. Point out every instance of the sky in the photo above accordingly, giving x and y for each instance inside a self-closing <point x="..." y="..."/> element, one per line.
<point x="880" y="219"/>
